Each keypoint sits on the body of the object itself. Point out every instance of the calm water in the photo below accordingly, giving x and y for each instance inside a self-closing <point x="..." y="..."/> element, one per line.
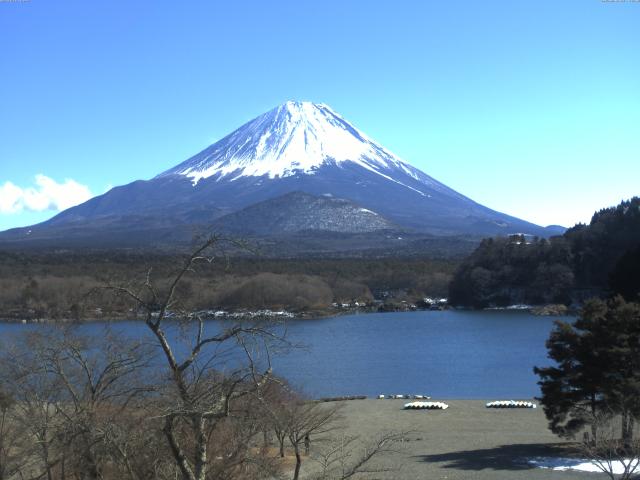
<point x="448" y="354"/>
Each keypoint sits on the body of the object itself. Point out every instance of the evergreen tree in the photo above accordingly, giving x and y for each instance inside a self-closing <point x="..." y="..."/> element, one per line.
<point x="619" y="336"/>
<point x="597" y="368"/>
<point x="625" y="277"/>
<point x="587" y="258"/>
<point x="571" y="394"/>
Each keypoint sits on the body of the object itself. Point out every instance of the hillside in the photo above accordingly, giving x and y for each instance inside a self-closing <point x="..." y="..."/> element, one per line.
<point x="601" y="258"/>
<point x="298" y="212"/>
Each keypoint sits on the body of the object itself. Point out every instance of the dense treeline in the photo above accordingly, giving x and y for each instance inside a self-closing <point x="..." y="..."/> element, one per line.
<point x="600" y="258"/>
<point x="56" y="285"/>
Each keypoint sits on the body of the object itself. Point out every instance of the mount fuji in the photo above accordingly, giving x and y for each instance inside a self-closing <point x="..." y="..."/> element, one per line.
<point x="301" y="165"/>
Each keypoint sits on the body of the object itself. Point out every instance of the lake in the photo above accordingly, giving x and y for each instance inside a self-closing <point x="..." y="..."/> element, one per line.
<point x="444" y="354"/>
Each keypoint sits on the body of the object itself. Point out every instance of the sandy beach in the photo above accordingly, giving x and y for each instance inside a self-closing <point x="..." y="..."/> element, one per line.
<point x="466" y="441"/>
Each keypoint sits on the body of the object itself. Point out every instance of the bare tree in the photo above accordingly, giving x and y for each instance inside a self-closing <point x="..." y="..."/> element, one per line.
<point x="206" y="380"/>
<point x="99" y="385"/>
<point x="12" y="439"/>
<point x="611" y="451"/>
<point x="71" y="391"/>
<point x="186" y="403"/>
<point x="276" y="404"/>
<point x="34" y="412"/>
<point x="346" y="457"/>
<point x="296" y="420"/>
<point x="307" y="421"/>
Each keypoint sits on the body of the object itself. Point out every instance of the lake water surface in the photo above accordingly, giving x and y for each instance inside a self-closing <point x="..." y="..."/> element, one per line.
<point x="444" y="354"/>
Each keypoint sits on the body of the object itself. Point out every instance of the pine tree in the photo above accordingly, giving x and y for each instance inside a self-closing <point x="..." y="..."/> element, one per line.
<point x="597" y="369"/>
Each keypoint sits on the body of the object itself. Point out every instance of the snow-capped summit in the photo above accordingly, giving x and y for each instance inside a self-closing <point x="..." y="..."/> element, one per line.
<point x="294" y="138"/>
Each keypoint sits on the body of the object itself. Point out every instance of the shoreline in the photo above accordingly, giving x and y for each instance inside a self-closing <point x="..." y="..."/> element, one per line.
<point x="362" y="398"/>
<point x="241" y="314"/>
<point x="232" y="314"/>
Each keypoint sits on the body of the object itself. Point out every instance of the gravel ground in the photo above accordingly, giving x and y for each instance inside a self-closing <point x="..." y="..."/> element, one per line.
<point x="466" y="441"/>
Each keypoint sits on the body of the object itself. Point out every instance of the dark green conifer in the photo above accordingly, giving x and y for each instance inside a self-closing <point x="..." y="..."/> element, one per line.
<point x="597" y="369"/>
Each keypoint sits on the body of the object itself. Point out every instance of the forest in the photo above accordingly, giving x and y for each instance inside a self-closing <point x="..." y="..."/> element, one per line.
<point x="66" y="285"/>
<point x="599" y="259"/>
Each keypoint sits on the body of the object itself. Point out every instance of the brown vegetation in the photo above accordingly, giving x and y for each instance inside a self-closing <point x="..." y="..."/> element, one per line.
<point x="73" y="406"/>
<point x="282" y="291"/>
<point x="55" y="286"/>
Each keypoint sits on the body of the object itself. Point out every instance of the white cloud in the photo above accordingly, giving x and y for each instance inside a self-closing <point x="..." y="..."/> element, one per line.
<point x="47" y="194"/>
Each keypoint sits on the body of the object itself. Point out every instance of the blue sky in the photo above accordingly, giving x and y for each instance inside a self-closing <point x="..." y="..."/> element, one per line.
<point x="529" y="107"/>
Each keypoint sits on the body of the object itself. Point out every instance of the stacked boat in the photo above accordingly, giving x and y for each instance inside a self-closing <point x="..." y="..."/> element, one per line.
<point x="510" y="404"/>
<point x="404" y="397"/>
<point x="426" y="406"/>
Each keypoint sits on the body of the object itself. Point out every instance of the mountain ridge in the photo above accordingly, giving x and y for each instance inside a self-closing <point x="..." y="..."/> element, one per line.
<point x="296" y="147"/>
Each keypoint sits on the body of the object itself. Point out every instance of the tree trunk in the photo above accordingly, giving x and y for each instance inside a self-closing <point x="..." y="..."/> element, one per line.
<point x="45" y="452"/>
<point x="624" y="430"/>
<point x="296" y="472"/>
<point x="281" y="441"/>
<point x="93" y="472"/>
<point x="178" y="455"/>
<point x="201" y="448"/>
<point x="627" y="429"/>
<point x="4" y="414"/>
<point x="594" y="426"/>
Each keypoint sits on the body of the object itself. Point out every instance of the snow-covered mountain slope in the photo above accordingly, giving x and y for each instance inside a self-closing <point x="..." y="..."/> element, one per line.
<point x="295" y="138"/>
<point x="296" y="147"/>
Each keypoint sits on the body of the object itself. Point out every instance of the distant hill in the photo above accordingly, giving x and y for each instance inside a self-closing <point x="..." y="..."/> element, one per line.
<point x="597" y="259"/>
<point x="298" y="212"/>
<point x="554" y="230"/>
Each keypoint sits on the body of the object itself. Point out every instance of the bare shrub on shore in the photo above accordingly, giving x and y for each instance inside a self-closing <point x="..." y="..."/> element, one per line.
<point x="71" y="391"/>
<point x="614" y="456"/>
<point x="11" y="439"/>
<point x="314" y="430"/>
<point x="348" y="456"/>
<point x="307" y="420"/>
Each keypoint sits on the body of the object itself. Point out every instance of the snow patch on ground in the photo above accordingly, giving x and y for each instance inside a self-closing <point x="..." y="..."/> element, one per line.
<point x="366" y="210"/>
<point x="576" y="464"/>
